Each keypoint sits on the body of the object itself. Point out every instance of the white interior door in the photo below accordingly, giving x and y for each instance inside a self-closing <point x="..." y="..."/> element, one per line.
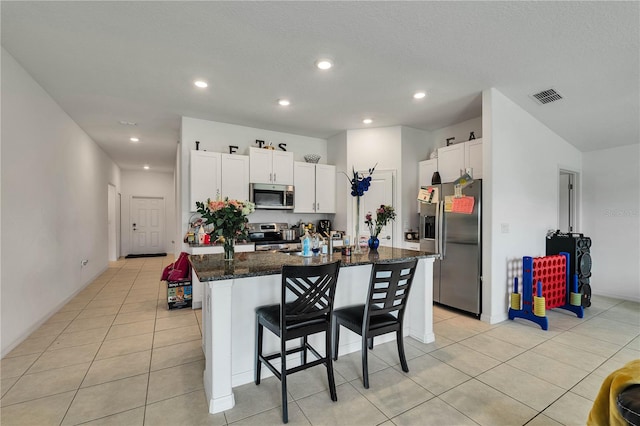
<point x="147" y="225"/>
<point x="380" y="192"/>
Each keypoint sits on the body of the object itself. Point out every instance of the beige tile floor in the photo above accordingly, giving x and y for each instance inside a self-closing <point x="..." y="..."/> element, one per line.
<point x="114" y="355"/>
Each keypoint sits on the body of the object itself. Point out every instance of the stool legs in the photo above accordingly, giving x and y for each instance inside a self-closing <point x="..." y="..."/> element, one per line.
<point x="335" y="336"/>
<point x="258" y="353"/>
<point x="283" y="382"/>
<point x="365" y="363"/>
<point x="400" y="342"/>
<point x="332" y="381"/>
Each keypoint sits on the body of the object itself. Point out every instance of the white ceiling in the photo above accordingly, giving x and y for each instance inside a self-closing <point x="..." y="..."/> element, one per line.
<point x="136" y="61"/>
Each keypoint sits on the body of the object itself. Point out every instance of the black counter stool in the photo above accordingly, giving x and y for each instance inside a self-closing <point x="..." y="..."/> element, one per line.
<point x="308" y="293"/>
<point x="383" y="313"/>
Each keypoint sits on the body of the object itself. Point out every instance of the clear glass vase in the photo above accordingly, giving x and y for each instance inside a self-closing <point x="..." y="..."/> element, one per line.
<point x="229" y="248"/>
<point x="356" y="238"/>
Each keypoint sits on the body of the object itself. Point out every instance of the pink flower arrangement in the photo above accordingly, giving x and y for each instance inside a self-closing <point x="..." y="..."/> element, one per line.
<point x="384" y="215"/>
<point x="228" y="217"/>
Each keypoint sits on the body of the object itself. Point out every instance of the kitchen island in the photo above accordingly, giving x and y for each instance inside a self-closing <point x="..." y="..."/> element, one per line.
<point x="232" y="291"/>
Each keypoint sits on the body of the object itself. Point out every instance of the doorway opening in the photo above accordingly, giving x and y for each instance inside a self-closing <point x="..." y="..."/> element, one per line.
<point x="567" y="201"/>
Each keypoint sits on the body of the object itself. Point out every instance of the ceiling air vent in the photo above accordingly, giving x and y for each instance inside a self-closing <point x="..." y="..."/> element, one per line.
<point x="547" y="96"/>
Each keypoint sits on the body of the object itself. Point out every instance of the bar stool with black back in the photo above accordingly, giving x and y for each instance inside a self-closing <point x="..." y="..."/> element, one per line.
<point x="383" y="312"/>
<point x="308" y="293"/>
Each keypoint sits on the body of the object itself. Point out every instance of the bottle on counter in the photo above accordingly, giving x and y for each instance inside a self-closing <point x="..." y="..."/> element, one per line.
<point x="201" y="235"/>
<point x="306" y="245"/>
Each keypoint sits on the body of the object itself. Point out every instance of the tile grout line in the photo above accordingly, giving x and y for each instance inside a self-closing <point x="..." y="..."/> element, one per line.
<point x="46" y="348"/>
<point x="94" y="357"/>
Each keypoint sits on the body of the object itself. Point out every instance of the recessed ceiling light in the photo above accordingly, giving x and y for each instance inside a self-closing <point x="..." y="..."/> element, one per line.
<point x="284" y="102"/>
<point x="146" y="167"/>
<point x="134" y="139"/>
<point x="201" y="84"/>
<point x="419" y="95"/>
<point x="367" y="121"/>
<point x="127" y="123"/>
<point x="324" y="64"/>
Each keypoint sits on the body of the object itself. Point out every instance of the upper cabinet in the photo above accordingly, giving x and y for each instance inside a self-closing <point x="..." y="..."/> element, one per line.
<point x="450" y="162"/>
<point x="426" y="169"/>
<point x="205" y="176"/>
<point x="214" y="173"/>
<point x="473" y="157"/>
<point x="325" y="188"/>
<point x="455" y="159"/>
<point x="270" y="166"/>
<point x="235" y="176"/>
<point x="315" y="186"/>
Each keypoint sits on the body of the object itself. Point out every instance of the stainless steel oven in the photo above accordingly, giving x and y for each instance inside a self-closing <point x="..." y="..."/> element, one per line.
<point x="272" y="236"/>
<point x="274" y="197"/>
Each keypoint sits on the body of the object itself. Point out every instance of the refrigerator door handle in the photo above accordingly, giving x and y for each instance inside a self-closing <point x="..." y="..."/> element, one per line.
<point x="437" y="230"/>
<point x="440" y="228"/>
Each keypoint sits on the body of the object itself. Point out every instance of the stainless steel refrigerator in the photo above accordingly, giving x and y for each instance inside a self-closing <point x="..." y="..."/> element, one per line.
<point x="457" y="238"/>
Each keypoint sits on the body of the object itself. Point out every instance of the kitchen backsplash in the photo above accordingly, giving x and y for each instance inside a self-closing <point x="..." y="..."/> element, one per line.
<point x="266" y="216"/>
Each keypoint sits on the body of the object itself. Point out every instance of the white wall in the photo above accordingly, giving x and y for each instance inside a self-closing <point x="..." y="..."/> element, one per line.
<point x="215" y="136"/>
<point x="54" y="205"/>
<point x="146" y="183"/>
<point x="611" y="201"/>
<point x="337" y="155"/>
<point x="460" y="131"/>
<point x="365" y="149"/>
<point x="522" y="159"/>
<point x="416" y="144"/>
<point x="395" y="149"/>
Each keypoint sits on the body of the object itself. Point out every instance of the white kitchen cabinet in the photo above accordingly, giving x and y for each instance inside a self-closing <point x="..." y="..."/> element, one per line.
<point x="214" y="173"/>
<point x="473" y="157"/>
<point x="315" y="186"/>
<point x="455" y="159"/>
<point x="205" y="176"/>
<point x="235" y="176"/>
<point x="450" y="162"/>
<point x="426" y="169"/>
<point x="325" y="188"/>
<point x="304" y="181"/>
<point x="270" y="166"/>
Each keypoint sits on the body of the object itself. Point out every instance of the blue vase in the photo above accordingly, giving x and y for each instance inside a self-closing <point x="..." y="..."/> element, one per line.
<point x="374" y="242"/>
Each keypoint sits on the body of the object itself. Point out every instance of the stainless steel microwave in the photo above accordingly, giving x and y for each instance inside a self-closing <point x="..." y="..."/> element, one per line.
<point x="269" y="196"/>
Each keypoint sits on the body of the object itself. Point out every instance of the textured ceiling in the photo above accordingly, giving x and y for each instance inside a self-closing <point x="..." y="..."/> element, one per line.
<point x="136" y="61"/>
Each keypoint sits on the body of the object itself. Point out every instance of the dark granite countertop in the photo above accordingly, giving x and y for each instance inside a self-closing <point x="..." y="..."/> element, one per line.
<point x="212" y="267"/>
<point x="241" y="243"/>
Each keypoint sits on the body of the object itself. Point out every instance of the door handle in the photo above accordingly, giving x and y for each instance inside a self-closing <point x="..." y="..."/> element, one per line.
<point x="317" y="206"/>
<point x="388" y="237"/>
<point x="441" y="226"/>
<point x="275" y="179"/>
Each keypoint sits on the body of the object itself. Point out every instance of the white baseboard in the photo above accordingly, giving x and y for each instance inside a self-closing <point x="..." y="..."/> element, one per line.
<point x="49" y="314"/>
<point x="494" y="319"/>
